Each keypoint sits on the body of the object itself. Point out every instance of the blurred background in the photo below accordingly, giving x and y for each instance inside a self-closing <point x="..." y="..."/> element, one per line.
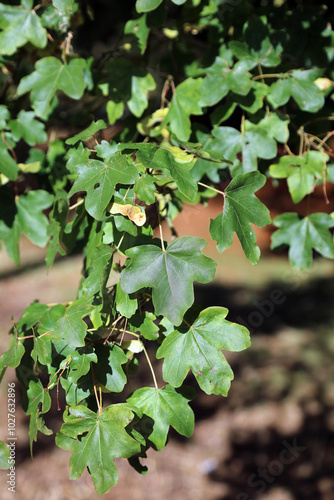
<point x="271" y="438"/>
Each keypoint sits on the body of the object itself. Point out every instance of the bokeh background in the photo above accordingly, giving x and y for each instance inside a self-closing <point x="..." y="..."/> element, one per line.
<point x="271" y="438"/>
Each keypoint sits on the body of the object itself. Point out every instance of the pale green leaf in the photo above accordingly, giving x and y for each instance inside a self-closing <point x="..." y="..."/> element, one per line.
<point x="302" y="235"/>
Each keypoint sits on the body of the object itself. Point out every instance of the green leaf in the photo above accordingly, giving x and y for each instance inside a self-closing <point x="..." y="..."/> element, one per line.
<point x="167" y="407"/>
<point x="302" y="172"/>
<point x="144" y="323"/>
<point x="125" y="305"/>
<point x="58" y="219"/>
<point x="49" y="76"/>
<point x="254" y="143"/>
<point x="87" y="133"/>
<point x="99" y="180"/>
<point x="138" y="28"/>
<point x="4" y="116"/>
<point x="303" y="234"/>
<point x="185" y="102"/>
<point x="147" y="5"/>
<point x="43" y="344"/>
<point x="220" y="80"/>
<point x="71" y="326"/>
<point x="98" y="272"/>
<point x="140" y="86"/>
<point x="298" y="84"/>
<point x="5" y="461"/>
<point x="114" y="110"/>
<point x="32" y="222"/>
<point x="63" y="5"/>
<point x="170" y="273"/>
<point x="8" y="165"/>
<point x="80" y="363"/>
<point x="20" y="25"/>
<point x="152" y="156"/>
<point x="13" y="356"/>
<point x="29" y="219"/>
<point x="199" y="350"/>
<point x="241" y="208"/>
<point x="105" y="439"/>
<point x="108" y="370"/>
<point x="39" y="403"/>
<point x="26" y="127"/>
<point x="145" y="189"/>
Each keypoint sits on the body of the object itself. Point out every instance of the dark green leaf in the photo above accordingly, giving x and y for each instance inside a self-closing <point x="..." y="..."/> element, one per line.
<point x="108" y="371"/>
<point x="166" y="407"/>
<point x="241" y="208"/>
<point x="71" y="326"/>
<point x="170" y="273"/>
<point x="39" y="403"/>
<point x="105" y="440"/>
<point x="99" y="180"/>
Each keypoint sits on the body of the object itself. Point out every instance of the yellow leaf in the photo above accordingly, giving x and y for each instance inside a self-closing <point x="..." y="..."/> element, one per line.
<point x="133" y="212"/>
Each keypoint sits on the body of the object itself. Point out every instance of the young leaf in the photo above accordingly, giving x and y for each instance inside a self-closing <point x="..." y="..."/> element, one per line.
<point x="170" y="273"/>
<point x="99" y="180"/>
<point x="166" y="407"/>
<point x="20" y="24"/>
<point x="241" y="208"/>
<point x="105" y="439"/>
<point x="303" y="235"/>
<point x="199" y="350"/>
<point x="49" y="76"/>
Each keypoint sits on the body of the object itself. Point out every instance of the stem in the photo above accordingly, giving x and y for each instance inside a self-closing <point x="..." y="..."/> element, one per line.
<point x="99" y="406"/>
<point x="161" y="238"/>
<point x="212" y="188"/>
<point x="268" y="75"/>
<point x="242" y="127"/>
<point x="151" y="368"/>
<point x="80" y="202"/>
<point x="32" y="336"/>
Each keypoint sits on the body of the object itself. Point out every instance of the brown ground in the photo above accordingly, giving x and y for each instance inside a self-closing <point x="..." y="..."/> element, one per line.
<point x="283" y="393"/>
